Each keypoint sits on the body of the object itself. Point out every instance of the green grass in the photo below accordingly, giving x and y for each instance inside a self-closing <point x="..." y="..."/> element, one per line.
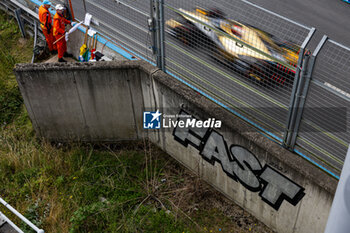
<point x="127" y="187"/>
<point x="13" y="49"/>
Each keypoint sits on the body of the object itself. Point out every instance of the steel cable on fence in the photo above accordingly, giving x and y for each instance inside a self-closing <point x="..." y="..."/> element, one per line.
<point x="232" y="38"/>
<point x="330" y="87"/>
<point x="119" y="31"/>
<point x="220" y="91"/>
<point x="255" y="111"/>
<point x="146" y="51"/>
<point x="340" y="162"/>
<point x="229" y="77"/>
<point x="217" y="96"/>
<point x="127" y="27"/>
<point x="80" y="17"/>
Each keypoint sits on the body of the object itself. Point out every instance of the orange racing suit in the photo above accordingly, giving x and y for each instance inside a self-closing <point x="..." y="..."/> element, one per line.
<point x="59" y="26"/>
<point x="46" y="26"/>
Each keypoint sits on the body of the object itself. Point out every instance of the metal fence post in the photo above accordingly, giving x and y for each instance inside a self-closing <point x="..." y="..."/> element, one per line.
<point x="35" y="38"/>
<point x="301" y="100"/>
<point x="162" y="34"/>
<point x="157" y="33"/>
<point x="292" y="99"/>
<point x="297" y="77"/>
<point x="152" y="23"/>
<point x="20" y="23"/>
<point x="308" y="77"/>
<point x="296" y="102"/>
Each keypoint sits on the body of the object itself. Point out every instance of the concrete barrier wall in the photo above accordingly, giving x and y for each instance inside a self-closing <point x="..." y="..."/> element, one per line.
<point x="101" y="102"/>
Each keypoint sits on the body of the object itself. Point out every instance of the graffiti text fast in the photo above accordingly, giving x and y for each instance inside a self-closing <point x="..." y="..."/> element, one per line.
<point x="241" y="165"/>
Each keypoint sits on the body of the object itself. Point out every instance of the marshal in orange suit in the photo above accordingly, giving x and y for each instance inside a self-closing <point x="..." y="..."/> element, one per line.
<point x="59" y="29"/>
<point x="46" y="25"/>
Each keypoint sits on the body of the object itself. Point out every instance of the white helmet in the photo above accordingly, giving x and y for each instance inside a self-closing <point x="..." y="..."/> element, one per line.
<point x="59" y="7"/>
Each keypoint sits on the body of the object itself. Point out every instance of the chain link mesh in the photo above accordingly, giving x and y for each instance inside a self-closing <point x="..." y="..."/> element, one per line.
<point x="250" y="14"/>
<point x="240" y="64"/>
<point x="124" y="21"/>
<point x="324" y="126"/>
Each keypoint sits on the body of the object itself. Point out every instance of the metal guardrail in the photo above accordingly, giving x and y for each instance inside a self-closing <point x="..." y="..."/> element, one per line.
<point x="282" y="94"/>
<point x="20" y="216"/>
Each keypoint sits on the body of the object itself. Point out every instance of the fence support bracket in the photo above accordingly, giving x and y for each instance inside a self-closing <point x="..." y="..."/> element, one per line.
<point x="298" y="97"/>
<point x="296" y="83"/>
<point x="19" y="20"/>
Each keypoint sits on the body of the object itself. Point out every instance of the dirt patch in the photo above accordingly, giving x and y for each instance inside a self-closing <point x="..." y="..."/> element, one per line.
<point x="22" y="42"/>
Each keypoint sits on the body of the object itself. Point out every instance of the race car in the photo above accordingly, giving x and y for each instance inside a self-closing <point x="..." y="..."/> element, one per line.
<point x="249" y="50"/>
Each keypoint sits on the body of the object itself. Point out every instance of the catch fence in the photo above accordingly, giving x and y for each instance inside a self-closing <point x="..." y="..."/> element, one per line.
<point x="323" y="116"/>
<point x="238" y="64"/>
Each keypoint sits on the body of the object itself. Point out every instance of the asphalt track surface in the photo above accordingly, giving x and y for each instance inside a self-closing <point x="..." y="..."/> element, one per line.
<point x="265" y="106"/>
<point x="329" y="17"/>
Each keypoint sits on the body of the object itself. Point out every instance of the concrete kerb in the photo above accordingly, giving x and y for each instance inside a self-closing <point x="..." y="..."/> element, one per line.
<point x="247" y="131"/>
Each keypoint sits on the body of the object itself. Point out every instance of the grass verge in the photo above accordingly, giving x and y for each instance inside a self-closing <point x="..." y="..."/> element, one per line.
<point x="13" y="49"/>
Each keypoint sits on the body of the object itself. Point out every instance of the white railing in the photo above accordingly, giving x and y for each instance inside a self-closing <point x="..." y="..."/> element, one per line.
<point x="19" y="215"/>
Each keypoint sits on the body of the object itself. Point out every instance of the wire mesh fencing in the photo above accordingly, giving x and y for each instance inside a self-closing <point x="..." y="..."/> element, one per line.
<point x="323" y="131"/>
<point x="240" y="64"/>
<point x="124" y="21"/>
<point x="251" y="14"/>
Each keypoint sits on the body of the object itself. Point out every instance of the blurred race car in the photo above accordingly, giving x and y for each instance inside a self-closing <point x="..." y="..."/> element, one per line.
<point x="221" y="38"/>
